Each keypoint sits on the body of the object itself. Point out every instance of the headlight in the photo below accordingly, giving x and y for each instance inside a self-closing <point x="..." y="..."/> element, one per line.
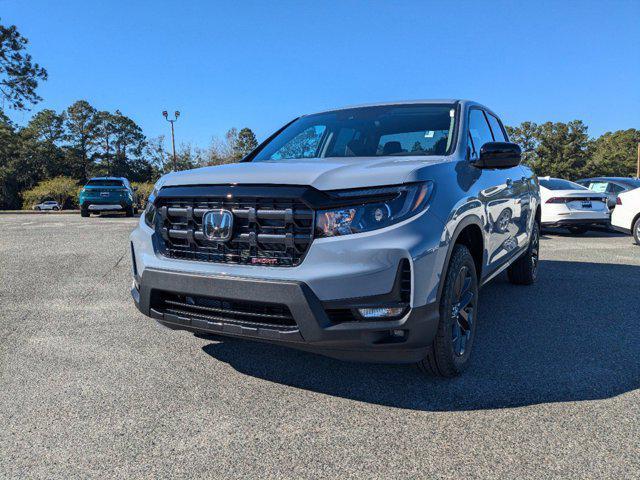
<point x="150" y="210"/>
<point x="372" y="208"/>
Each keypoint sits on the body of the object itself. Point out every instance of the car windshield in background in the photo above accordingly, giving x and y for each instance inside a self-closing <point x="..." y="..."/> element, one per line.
<point x="559" y="184"/>
<point x="386" y="130"/>
<point x="104" y="183"/>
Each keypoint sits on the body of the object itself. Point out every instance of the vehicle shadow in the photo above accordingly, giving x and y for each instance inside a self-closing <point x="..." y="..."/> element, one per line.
<point x="114" y="215"/>
<point x="573" y="336"/>
<point x="594" y="233"/>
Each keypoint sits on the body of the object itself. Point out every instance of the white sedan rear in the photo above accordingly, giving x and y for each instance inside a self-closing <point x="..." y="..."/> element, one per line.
<point x="572" y="206"/>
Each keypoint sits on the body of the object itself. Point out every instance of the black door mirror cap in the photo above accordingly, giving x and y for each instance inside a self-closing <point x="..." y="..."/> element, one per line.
<point x="499" y="155"/>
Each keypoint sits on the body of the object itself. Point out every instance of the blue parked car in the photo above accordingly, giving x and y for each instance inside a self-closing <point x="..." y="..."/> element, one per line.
<point x="108" y="194"/>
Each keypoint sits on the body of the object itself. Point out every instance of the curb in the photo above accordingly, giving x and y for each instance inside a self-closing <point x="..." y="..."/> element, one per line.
<point x="39" y="212"/>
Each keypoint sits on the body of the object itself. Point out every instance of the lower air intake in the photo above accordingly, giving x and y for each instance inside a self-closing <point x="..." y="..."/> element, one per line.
<point x="218" y="310"/>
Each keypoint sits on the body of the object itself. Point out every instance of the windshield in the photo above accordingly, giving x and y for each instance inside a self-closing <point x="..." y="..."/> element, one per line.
<point x="381" y="131"/>
<point x="101" y="182"/>
<point x="559" y="184"/>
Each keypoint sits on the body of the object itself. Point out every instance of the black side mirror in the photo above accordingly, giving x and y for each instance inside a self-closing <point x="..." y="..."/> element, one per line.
<point x="498" y="155"/>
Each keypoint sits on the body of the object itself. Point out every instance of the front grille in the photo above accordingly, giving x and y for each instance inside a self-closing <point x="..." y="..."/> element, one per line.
<point x="266" y="231"/>
<point x="219" y="310"/>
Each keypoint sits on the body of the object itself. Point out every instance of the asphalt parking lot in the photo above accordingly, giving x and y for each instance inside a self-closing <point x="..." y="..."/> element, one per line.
<point x="91" y="388"/>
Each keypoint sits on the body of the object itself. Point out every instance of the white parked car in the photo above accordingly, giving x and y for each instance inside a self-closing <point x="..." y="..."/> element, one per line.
<point x="48" y="205"/>
<point x="626" y="215"/>
<point x="572" y="206"/>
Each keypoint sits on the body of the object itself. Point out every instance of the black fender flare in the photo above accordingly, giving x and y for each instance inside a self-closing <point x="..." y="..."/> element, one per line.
<point x="471" y="219"/>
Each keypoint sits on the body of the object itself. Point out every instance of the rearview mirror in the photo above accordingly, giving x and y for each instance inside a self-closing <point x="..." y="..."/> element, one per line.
<point x="498" y="155"/>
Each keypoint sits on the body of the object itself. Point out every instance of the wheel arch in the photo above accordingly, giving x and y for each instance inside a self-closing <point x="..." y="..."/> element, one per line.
<point x="633" y="221"/>
<point x="468" y="233"/>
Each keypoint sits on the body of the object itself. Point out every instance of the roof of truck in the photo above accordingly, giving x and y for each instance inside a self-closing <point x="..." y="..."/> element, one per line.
<point x="436" y="101"/>
<point x="398" y="102"/>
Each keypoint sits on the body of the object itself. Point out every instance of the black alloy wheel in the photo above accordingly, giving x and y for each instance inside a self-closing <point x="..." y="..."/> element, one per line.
<point x="462" y="311"/>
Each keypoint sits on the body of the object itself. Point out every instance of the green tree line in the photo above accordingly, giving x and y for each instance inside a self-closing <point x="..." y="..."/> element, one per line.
<point x="56" y="152"/>
<point x="82" y="142"/>
<point x="565" y="150"/>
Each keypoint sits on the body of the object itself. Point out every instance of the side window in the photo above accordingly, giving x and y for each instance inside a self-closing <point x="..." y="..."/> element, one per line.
<point x="496" y="128"/>
<point x="614" y="188"/>
<point x="479" y="131"/>
<point x="303" y="145"/>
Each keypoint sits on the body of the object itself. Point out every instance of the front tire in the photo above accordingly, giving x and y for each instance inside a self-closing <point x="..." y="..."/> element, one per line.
<point x="636" y="231"/>
<point x="524" y="271"/>
<point x="128" y="211"/>
<point x="451" y="348"/>
<point x="84" y="212"/>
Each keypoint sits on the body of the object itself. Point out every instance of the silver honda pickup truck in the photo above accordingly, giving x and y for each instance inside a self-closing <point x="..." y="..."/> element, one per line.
<point x="361" y="233"/>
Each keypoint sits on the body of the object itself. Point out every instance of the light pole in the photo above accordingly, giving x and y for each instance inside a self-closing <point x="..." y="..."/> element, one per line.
<point x="173" y="140"/>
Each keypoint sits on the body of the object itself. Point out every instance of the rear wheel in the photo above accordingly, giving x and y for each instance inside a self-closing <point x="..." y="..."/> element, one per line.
<point x="636" y="231"/>
<point x="524" y="271"/>
<point x="451" y="348"/>
<point x="578" y="230"/>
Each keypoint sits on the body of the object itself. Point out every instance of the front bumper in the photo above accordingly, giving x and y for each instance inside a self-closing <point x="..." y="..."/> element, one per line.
<point x="371" y="341"/>
<point x="355" y="269"/>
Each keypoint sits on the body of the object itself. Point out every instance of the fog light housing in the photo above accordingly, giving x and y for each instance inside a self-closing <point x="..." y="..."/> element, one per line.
<point x="381" y="312"/>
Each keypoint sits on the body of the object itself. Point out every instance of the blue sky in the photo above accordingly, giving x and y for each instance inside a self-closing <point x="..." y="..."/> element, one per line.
<point x="260" y="64"/>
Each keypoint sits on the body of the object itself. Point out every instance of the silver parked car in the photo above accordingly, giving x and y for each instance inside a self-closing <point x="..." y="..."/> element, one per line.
<point x="361" y="233"/>
<point x="48" y="205"/>
<point x="610" y="186"/>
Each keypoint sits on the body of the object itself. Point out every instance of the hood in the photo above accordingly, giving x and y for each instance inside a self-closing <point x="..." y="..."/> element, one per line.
<point x="320" y="173"/>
